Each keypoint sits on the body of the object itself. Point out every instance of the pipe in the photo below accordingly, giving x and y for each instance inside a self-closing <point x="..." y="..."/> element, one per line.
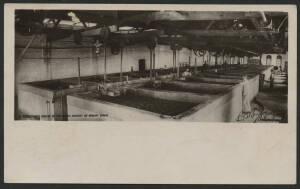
<point x="121" y="69"/>
<point x="243" y="50"/>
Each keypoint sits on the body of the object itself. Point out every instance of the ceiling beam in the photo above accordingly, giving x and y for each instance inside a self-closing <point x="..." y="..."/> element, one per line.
<point x="210" y="24"/>
<point x="226" y="33"/>
<point x="219" y="15"/>
<point x="188" y="16"/>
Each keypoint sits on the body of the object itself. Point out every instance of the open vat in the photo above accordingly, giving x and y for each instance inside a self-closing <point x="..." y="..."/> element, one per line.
<point x="189" y="86"/>
<point x="179" y="100"/>
<point x="45" y="100"/>
<point x="135" y="104"/>
<point x="182" y="104"/>
<point x="141" y="102"/>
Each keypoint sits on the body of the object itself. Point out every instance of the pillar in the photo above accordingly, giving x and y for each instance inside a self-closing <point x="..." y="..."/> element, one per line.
<point x="78" y="64"/>
<point x="196" y="66"/>
<point x="104" y="63"/>
<point x="153" y="62"/>
<point x="178" y="66"/>
<point x="121" y="64"/>
<point x="151" y="56"/>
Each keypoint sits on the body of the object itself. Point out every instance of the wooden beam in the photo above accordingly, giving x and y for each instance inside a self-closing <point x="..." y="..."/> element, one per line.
<point x="210" y="24"/>
<point x="149" y="17"/>
<point x="25" y="49"/>
<point x="226" y="33"/>
<point x="244" y="50"/>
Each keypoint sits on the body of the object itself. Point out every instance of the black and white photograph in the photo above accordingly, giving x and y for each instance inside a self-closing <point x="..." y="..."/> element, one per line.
<point x="99" y="93"/>
<point x="160" y="65"/>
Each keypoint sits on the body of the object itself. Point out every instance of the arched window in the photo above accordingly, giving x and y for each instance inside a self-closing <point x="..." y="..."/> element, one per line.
<point x="269" y="60"/>
<point x="232" y="60"/>
<point x="279" y="62"/>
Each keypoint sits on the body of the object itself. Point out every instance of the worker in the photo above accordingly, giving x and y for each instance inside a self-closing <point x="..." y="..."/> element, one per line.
<point x="246" y="107"/>
<point x="273" y="72"/>
<point x="186" y="73"/>
<point x="102" y="88"/>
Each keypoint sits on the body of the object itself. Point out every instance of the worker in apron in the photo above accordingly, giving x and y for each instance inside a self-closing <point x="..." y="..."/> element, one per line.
<point x="246" y="108"/>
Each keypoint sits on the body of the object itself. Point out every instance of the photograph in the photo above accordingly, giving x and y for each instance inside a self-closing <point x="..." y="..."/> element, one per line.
<point x="103" y="93"/>
<point x="160" y="65"/>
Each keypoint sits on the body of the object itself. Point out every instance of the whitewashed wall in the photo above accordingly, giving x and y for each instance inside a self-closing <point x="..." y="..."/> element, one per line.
<point x="63" y="62"/>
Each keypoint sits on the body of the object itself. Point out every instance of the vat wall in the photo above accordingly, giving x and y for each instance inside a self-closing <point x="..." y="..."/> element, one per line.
<point x="40" y="97"/>
<point x="114" y="112"/>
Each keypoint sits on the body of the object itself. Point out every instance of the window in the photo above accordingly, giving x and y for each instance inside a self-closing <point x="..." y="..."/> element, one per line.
<point x="279" y="61"/>
<point x="269" y="60"/>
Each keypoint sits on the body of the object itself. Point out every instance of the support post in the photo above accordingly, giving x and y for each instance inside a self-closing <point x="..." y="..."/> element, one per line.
<point x="150" y="64"/>
<point x="196" y="66"/>
<point x="78" y="64"/>
<point x="216" y="60"/>
<point x="121" y="66"/>
<point x="178" y="66"/>
<point x="47" y="57"/>
<point x="104" y="63"/>
<point x="173" y="61"/>
<point x="230" y="62"/>
<point x="153" y="64"/>
<point x="260" y="59"/>
<point x="223" y="59"/>
<point x="209" y="58"/>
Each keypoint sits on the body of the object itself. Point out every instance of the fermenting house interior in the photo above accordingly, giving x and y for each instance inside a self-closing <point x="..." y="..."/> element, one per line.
<point x="100" y="65"/>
